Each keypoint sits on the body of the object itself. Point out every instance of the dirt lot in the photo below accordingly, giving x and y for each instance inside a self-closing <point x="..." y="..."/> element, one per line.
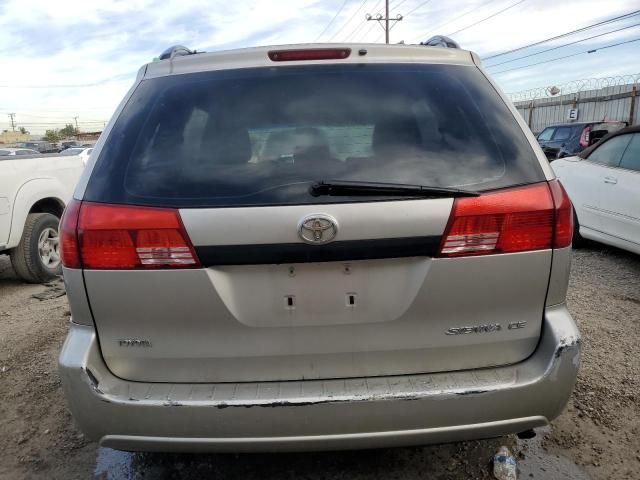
<point x="597" y="437"/>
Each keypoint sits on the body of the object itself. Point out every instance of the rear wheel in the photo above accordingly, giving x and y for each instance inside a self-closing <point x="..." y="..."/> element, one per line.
<point x="36" y="259"/>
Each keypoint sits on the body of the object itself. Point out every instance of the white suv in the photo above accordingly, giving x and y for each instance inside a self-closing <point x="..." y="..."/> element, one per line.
<point x="313" y="247"/>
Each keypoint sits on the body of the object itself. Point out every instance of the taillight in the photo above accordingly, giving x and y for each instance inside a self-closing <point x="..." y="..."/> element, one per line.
<point x="584" y="136"/>
<point x="511" y="220"/>
<point x="563" y="228"/>
<point x="69" y="249"/>
<point x="128" y="237"/>
<point x="309" y="54"/>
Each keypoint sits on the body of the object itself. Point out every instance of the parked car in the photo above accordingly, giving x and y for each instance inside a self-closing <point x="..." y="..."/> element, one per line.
<point x="316" y="247"/>
<point x="68" y="144"/>
<point x="11" y="152"/>
<point x="33" y="193"/>
<point x="40" y="146"/>
<point x="565" y="140"/>
<point x="84" y="153"/>
<point x="604" y="185"/>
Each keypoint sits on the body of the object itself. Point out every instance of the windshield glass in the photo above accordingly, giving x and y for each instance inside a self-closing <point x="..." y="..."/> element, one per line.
<point x="262" y="136"/>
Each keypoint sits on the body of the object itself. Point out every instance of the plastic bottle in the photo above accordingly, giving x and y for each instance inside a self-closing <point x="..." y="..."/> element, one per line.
<point x="504" y="465"/>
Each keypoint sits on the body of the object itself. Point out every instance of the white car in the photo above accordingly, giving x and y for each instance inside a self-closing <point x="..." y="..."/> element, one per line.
<point x="12" y="152"/>
<point x="604" y="185"/>
<point x="33" y="194"/>
<point x="82" y="152"/>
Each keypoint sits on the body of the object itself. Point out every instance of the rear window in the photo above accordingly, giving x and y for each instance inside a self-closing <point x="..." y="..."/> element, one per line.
<point x="263" y="136"/>
<point x="562" y="133"/>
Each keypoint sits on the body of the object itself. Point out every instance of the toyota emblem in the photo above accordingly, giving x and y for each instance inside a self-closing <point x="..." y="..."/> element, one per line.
<point x="318" y="228"/>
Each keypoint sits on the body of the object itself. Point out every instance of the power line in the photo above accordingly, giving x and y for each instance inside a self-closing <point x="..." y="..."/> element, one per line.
<point x="361" y="24"/>
<point x="355" y="31"/>
<point x="56" y="110"/>
<point x="349" y="20"/>
<point x="567" y="56"/>
<point x="614" y="19"/>
<point x="399" y="5"/>
<point x="456" y="18"/>
<point x="366" y="34"/>
<point x="413" y="9"/>
<point x="386" y="19"/>
<point x="564" y="45"/>
<point x="40" y="118"/>
<point x="332" y="20"/>
<point x="487" y="18"/>
<point x="66" y="122"/>
<point x="79" y="85"/>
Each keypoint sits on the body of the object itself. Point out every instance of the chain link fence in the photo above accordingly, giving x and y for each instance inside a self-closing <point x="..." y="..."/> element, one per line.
<point x="591" y="99"/>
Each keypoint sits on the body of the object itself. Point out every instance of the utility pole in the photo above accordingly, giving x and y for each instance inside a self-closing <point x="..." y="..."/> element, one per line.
<point x="386" y="19"/>
<point x="77" y="131"/>
<point x="386" y="22"/>
<point x="13" y="123"/>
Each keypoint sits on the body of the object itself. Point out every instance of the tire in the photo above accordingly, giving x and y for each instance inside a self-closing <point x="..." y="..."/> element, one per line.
<point x="28" y="259"/>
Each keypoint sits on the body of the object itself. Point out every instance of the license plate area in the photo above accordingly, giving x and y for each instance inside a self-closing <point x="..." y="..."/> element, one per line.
<point x="312" y="294"/>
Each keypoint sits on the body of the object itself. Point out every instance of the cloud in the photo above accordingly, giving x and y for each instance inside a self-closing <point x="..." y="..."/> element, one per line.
<point x="102" y="43"/>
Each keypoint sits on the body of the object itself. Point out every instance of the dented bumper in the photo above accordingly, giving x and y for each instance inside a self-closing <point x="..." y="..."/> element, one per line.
<point x="321" y="415"/>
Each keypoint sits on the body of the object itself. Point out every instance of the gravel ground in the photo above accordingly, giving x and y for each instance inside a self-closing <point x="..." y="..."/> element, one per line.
<point x="596" y="437"/>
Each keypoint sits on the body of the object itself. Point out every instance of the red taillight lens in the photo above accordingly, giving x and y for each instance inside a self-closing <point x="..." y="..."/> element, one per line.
<point x="511" y="220"/>
<point x="584" y="136"/>
<point x="126" y="237"/>
<point x="69" y="251"/>
<point x="309" y="54"/>
<point x="563" y="232"/>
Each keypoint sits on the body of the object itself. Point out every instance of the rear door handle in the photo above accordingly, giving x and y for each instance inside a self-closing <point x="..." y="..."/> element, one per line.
<point x="612" y="180"/>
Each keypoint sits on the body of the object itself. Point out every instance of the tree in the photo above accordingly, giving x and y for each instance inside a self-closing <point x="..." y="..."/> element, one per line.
<point x="23" y="131"/>
<point x="68" y="131"/>
<point x="53" y="136"/>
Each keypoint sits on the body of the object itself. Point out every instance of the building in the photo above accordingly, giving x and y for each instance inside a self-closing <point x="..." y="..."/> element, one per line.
<point x="88" y="136"/>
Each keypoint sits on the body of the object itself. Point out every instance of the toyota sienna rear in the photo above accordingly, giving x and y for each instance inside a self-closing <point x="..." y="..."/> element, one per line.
<point x="316" y="247"/>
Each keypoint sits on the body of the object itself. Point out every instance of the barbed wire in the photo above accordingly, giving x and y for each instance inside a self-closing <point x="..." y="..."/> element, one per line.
<point x="574" y="86"/>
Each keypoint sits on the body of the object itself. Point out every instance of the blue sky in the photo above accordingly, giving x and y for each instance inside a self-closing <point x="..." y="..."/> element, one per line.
<point x="78" y="57"/>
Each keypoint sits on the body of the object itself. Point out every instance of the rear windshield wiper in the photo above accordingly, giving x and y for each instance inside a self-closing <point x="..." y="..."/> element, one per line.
<point x="343" y="188"/>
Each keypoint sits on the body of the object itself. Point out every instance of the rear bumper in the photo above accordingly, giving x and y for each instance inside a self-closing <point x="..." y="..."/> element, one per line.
<point x="321" y="415"/>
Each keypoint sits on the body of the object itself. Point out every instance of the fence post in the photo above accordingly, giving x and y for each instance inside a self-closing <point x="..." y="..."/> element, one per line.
<point x="530" y="121"/>
<point x="632" y="109"/>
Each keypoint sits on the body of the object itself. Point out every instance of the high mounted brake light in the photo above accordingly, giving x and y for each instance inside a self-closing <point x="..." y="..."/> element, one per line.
<point x="309" y="54"/>
<point x="125" y="237"/>
<point x="534" y="217"/>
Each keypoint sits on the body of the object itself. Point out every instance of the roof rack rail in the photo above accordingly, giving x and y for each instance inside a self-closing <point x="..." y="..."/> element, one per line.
<point x="440" y="41"/>
<point x="176" y="51"/>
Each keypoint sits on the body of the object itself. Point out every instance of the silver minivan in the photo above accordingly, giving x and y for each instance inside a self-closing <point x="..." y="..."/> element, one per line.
<point x="316" y="247"/>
